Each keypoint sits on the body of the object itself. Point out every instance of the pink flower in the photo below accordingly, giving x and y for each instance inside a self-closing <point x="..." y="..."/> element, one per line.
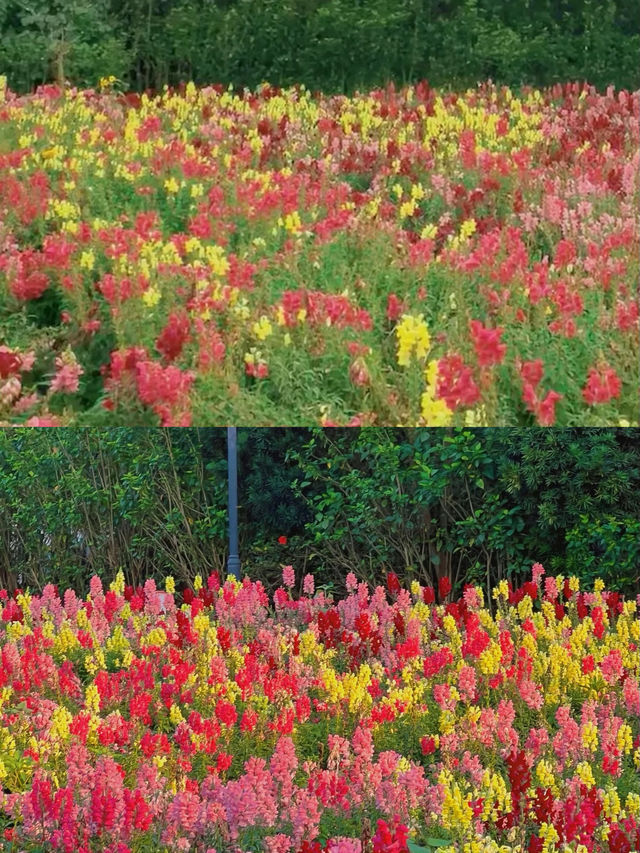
<point x="550" y="589"/>
<point x="288" y="576"/>
<point x="344" y="845"/>
<point x="467" y="683"/>
<point x="277" y="843"/>
<point x="612" y="667"/>
<point x="531" y="694"/>
<point x="537" y="572"/>
<point x="308" y="585"/>
<point x="67" y="377"/>
<point x="352" y="582"/>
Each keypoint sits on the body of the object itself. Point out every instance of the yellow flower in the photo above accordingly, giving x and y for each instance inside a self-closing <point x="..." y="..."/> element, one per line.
<point x="171" y="185"/>
<point x="624" y="738"/>
<point x="467" y="228"/>
<point x="585" y="774"/>
<point x="117" y="584"/>
<point x="262" y="329"/>
<point x="456" y="812"/>
<point x="92" y="699"/>
<point x="151" y="297"/>
<point x="412" y="333"/>
<point x="169" y="585"/>
<point x="590" y="736"/>
<point x="60" y="720"/>
<point x="429" y="232"/>
<point x="544" y="774"/>
<point x="611" y="804"/>
<point x="407" y="208"/>
<point x="501" y="591"/>
<point x="156" y="637"/>
<point x="175" y="715"/>
<point x="435" y="413"/>
<point x="632" y="803"/>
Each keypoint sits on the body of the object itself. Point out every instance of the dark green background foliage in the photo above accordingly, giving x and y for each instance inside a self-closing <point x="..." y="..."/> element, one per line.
<point x="325" y="44"/>
<point x="475" y="505"/>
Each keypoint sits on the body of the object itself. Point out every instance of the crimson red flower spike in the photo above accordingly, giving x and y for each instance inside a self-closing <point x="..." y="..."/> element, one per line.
<point x="393" y="583"/>
<point x="444" y="587"/>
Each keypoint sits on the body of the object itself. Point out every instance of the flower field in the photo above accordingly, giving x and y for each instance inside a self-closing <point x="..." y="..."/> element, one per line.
<point x="282" y="257"/>
<point x="223" y="720"/>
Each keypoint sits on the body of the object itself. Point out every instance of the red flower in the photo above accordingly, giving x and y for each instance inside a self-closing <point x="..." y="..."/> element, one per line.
<point x="444" y="587"/>
<point x="602" y="385"/>
<point x="487" y="344"/>
<point x="565" y="254"/>
<point x="10" y="362"/>
<point x="532" y="371"/>
<point x="174" y="336"/>
<point x="393" y="583"/>
<point x="455" y="382"/>
<point x="282" y="540"/>
<point x="428" y="595"/>
<point x="226" y="712"/>
<point x="546" y="409"/>
<point x="249" y="720"/>
<point x="394" y="307"/>
<point x="223" y="762"/>
<point x="588" y="664"/>
<point x="428" y="745"/>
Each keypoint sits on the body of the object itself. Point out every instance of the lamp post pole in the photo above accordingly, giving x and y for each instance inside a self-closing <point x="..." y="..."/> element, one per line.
<point x="233" y="561"/>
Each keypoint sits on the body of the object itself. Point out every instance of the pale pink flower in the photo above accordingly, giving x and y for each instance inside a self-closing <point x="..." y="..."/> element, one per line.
<point x="531" y="694"/>
<point x="67" y="377"/>
<point x="288" y="576"/>
<point x="344" y="845"/>
<point x="471" y="597"/>
<point x="537" y="571"/>
<point x="550" y="589"/>
<point x="279" y="843"/>
<point x="631" y="696"/>
<point x="467" y="683"/>
<point x="612" y="667"/>
<point x="308" y="585"/>
<point x="352" y="582"/>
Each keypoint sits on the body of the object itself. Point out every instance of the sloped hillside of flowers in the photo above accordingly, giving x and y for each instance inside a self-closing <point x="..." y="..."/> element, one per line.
<point x="398" y="257"/>
<point x="221" y="720"/>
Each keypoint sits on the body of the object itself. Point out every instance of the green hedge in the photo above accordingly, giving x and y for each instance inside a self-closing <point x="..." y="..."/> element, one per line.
<point x="325" y="44"/>
<point x="475" y="505"/>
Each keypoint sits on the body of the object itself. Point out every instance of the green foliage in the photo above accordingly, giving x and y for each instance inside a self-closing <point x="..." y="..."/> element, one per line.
<point x="326" y="44"/>
<point x="605" y="548"/>
<point x="475" y="506"/>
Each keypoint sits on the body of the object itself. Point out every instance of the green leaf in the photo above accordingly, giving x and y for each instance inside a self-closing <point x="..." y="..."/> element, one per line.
<point x="416" y="848"/>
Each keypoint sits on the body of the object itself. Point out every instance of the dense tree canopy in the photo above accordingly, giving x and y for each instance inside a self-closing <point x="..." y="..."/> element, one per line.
<point x="329" y="44"/>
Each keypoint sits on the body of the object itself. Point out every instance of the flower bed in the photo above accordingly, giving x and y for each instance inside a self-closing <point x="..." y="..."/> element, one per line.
<point x="380" y="722"/>
<point x="403" y="257"/>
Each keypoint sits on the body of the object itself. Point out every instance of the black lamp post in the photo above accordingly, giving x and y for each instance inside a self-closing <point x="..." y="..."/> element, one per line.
<point x="233" y="561"/>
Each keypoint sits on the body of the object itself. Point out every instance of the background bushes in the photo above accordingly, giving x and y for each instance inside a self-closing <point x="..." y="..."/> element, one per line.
<point x="335" y="45"/>
<point x="474" y="505"/>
